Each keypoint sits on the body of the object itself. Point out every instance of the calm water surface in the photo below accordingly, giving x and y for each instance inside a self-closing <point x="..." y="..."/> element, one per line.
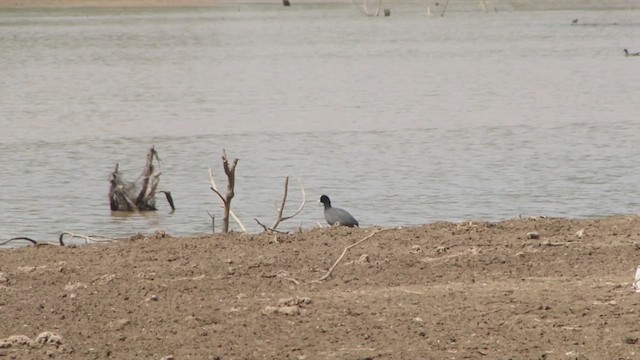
<point x="401" y="120"/>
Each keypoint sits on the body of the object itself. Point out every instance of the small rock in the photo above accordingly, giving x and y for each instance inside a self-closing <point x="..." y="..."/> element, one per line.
<point x="415" y="249"/>
<point x="119" y="324"/>
<point x="75" y="286"/>
<point x="580" y="233"/>
<point x="153" y="298"/>
<point x="3" y="278"/>
<point x="289" y="310"/>
<point x="364" y="258"/>
<point x="15" y="340"/>
<point x="294" y="301"/>
<point x="285" y="310"/>
<point x="533" y="235"/>
<point x="418" y="319"/>
<point x="305" y="300"/>
<point x="27" y="269"/>
<point x="48" y="338"/>
<point x="287" y="301"/>
<point x="168" y="357"/>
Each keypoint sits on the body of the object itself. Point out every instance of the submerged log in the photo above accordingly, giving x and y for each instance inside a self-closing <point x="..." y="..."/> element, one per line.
<point x="138" y="195"/>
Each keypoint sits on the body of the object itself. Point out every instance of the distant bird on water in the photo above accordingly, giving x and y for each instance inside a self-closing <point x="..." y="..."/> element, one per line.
<point x="627" y="53"/>
<point x="337" y="216"/>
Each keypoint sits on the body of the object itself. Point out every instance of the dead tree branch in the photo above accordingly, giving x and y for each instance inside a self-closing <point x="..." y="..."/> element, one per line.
<point x="229" y="170"/>
<point x="333" y="267"/>
<point x="280" y="208"/>
<point x="268" y="229"/>
<point x="213" y="222"/>
<point x="19" y="238"/>
<point x="445" y="8"/>
<point x="138" y="195"/>
<point x="88" y="239"/>
<point x="284" y="201"/>
<point x="365" y="11"/>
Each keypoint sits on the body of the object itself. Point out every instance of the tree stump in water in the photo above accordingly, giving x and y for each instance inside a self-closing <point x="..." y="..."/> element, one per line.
<point x="139" y="195"/>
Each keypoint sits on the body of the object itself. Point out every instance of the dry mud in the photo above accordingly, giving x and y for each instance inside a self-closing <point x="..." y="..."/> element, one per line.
<point x="472" y="290"/>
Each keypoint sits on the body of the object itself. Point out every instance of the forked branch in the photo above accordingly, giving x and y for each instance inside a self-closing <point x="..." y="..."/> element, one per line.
<point x="229" y="170"/>
<point x="280" y="208"/>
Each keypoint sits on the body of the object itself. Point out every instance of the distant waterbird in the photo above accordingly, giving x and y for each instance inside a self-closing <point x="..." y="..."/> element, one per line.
<point x="337" y="216"/>
<point x="627" y="53"/>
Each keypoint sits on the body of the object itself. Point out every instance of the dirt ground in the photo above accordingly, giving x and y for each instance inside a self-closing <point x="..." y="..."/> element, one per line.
<point x="472" y="290"/>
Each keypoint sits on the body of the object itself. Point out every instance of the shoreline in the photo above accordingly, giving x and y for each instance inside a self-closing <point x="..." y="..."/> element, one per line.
<point x="512" y="5"/>
<point x="419" y="292"/>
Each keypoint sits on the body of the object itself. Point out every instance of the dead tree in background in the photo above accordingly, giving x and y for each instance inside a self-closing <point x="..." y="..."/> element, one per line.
<point x="230" y="171"/>
<point x="364" y="10"/>
<point x="138" y="195"/>
<point x="280" y="208"/>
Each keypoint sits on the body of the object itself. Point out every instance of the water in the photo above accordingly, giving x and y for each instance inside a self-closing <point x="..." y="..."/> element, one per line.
<point x="401" y="120"/>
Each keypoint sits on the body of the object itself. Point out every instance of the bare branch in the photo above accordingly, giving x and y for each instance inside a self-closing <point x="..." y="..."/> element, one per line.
<point x="167" y="194"/>
<point x="215" y="188"/>
<point x="229" y="170"/>
<point x="445" y="8"/>
<point x="88" y="239"/>
<point x="268" y="229"/>
<point x="213" y="222"/>
<point x="333" y="267"/>
<point x="237" y="220"/>
<point x="19" y="238"/>
<point x="284" y="200"/>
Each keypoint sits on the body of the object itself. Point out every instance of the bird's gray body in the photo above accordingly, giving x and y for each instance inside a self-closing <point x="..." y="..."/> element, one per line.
<point x="337" y="216"/>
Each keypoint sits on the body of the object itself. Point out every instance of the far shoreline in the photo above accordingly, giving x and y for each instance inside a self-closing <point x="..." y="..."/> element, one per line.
<point x="511" y="6"/>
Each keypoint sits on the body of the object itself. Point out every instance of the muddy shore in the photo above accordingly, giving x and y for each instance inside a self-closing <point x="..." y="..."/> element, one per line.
<point x="534" y="288"/>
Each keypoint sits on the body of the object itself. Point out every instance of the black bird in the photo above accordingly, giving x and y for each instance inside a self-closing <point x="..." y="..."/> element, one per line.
<point x="627" y="53"/>
<point x="336" y="216"/>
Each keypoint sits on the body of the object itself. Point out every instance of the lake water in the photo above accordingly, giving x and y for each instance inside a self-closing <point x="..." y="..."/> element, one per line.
<point x="401" y="120"/>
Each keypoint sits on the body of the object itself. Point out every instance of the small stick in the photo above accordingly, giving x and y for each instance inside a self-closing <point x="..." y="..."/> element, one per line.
<point x="19" y="238"/>
<point x="284" y="201"/>
<point x="325" y="276"/>
<point x="445" y="8"/>
<point x="167" y="194"/>
<point x="268" y="229"/>
<point x="213" y="222"/>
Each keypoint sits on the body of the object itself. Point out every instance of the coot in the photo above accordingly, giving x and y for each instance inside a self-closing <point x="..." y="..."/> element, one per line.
<point x="336" y="216"/>
<point x="627" y="53"/>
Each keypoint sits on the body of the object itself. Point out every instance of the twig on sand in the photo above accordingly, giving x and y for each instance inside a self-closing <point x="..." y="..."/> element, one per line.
<point x="333" y="267"/>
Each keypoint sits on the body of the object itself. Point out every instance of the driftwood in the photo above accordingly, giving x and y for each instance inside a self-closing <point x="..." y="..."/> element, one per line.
<point x="280" y="208"/>
<point x="87" y="239"/>
<point x="230" y="171"/>
<point x="34" y="242"/>
<point x="139" y="195"/>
